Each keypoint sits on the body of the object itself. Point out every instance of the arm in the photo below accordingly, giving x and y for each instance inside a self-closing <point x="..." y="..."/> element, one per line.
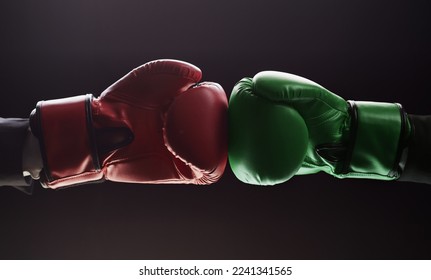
<point x="417" y="167"/>
<point x="20" y="160"/>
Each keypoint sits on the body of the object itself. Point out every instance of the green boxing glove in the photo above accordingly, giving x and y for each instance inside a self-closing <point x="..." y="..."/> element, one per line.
<point x="281" y="125"/>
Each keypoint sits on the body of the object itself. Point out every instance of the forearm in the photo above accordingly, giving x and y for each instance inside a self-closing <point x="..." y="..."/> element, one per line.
<point x="418" y="167"/>
<point x="13" y="132"/>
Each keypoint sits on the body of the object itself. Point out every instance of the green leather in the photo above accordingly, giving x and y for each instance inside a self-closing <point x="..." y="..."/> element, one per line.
<point x="345" y="139"/>
<point x="267" y="141"/>
<point x="377" y="141"/>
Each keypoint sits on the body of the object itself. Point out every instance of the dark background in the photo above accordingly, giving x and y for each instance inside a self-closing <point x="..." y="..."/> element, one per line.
<point x="363" y="50"/>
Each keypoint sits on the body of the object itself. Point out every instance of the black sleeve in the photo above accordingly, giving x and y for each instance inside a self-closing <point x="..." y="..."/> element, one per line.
<point x="13" y="132"/>
<point x="418" y="165"/>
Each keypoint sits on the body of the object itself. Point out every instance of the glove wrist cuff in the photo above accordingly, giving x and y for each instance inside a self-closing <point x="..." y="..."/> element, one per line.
<point x="67" y="139"/>
<point x="377" y="144"/>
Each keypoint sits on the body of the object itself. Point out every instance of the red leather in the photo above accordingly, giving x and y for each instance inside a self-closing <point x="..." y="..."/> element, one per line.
<point x="179" y="130"/>
<point x="188" y="135"/>
<point x="76" y="150"/>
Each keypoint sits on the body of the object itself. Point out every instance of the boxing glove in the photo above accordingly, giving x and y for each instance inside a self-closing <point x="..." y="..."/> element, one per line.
<point x="158" y="124"/>
<point x="282" y="125"/>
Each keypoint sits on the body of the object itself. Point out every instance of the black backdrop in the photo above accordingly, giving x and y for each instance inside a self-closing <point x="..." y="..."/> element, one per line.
<point x="363" y="50"/>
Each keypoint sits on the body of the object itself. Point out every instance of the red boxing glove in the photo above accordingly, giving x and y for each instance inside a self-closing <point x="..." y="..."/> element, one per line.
<point x="156" y="125"/>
